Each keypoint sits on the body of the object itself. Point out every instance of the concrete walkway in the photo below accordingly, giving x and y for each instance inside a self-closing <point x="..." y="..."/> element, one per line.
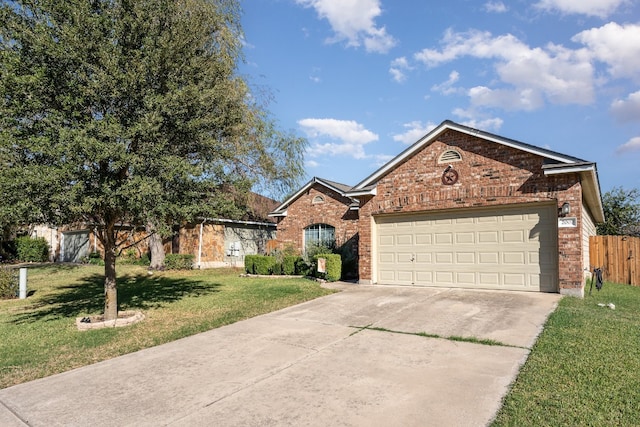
<point x="313" y="364"/>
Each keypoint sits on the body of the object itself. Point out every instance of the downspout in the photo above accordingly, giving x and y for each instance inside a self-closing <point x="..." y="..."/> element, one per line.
<point x="200" y="244"/>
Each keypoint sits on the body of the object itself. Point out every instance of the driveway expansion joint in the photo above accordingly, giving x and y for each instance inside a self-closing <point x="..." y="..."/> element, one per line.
<point x="471" y="340"/>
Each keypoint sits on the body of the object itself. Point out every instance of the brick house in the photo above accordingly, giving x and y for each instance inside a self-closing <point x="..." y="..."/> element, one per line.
<point x="214" y="242"/>
<point x="460" y="208"/>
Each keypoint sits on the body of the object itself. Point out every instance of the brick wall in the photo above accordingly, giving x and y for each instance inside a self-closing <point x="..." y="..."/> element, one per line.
<point x="490" y="174"/>
<point x="303" y="212"/>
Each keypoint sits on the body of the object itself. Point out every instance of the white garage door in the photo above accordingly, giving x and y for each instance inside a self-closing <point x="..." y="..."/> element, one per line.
<point x="510" y="248"/>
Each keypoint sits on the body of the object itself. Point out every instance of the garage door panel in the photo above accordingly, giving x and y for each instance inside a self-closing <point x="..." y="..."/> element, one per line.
<point x="443" y="238"/>
<point x="488" y="280"/>
<point x="517" y="258"/>
<point x="465" y="238"/>
<point x="405" y="257"/>
<point x="465" y="258"/>
<point x="423" y="239"/>
<point x="405" y="276"/>
<point x="510" y="248"/>
<point x="424" y="258"/>
<point x="444" y="278"/>
<point x="488" y="258"/>
<point x="386" y="241"/>
<point x="511" y="279"/>
<point x="466" y="279"/>
<point x="424" y="277"/>
<point x="488" y="237"/>
<point x="513" y="236"/>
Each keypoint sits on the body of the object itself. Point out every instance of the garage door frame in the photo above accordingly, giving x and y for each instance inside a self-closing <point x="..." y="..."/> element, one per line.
<point x="546" y="211"/>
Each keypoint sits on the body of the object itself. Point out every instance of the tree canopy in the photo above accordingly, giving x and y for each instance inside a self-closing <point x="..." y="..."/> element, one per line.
<point x="129" y="112"/>
<point x="622" y="212"/>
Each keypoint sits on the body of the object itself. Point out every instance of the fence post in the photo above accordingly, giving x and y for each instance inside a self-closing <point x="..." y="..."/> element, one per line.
<point x="23" y="283"/>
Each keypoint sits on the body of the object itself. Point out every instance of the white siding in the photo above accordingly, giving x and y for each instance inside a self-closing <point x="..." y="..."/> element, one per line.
<point x="588" y="230"/>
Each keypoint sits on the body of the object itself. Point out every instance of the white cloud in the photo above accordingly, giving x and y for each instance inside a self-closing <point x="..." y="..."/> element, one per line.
<point x="351" y="136"/>
<point x="382" y="159"/>
<point x="398" y="68"/>
<point x="354" y="22"/>
<point x="632" y="145"/>
<point x="599" y="8"/>
<point x="561" y="75"/>
<point x="519" y="99"/>
<point x="616" y="45"/>
<point x="311" y="163"/>
<point x="447" y="88"/>
<point x="415" y="131"/>
<point x="476" y="120"/>
<point x="495" y="7"/>
<point x="627" y="110"/>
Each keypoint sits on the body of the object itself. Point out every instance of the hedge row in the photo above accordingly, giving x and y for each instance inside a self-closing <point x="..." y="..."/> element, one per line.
<point x="179" y="261"/>
<point x="293" y="265"/>
<point x="32" y="249"/>
<point x="265" y="265"/>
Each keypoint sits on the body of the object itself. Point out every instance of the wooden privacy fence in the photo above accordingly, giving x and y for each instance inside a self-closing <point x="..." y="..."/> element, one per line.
<point x="618" y="256"/>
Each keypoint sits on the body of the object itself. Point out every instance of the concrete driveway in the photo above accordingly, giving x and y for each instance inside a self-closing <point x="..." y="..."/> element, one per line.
<point x="313" y="364"/>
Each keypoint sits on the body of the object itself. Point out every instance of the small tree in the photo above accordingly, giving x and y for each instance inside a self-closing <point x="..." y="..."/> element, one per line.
<point x="621" y="212"/>
<point x="130" y="112"/>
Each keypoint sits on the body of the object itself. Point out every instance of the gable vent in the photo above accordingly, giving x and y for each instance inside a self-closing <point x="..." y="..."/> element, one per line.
<point x="450" y="156"/>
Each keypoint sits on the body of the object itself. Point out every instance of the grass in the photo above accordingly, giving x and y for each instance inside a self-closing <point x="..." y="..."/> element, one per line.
<point x="38" y="336"/>
<point x="584" y="370"/>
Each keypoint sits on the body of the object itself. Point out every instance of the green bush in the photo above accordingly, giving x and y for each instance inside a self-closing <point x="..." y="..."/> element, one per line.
<point x="32" y="249"/>
<point x="179" y="261"/>
<point x="263" y="264"/>
<point x="333" y="266"/>
<point x="303" y="268"/>
<point x="277" y="269"/>
<point x="249" y="264"/>
<point x="9" y="284"/>
<point x="289" y="265"/>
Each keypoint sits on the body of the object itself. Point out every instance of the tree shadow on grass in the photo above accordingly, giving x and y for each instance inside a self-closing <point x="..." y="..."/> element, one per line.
<point x="135" y="292"/>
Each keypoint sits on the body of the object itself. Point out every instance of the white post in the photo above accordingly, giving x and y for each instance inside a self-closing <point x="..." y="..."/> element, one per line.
<point x="23" y="283"/>
<point x="200" y="243"/>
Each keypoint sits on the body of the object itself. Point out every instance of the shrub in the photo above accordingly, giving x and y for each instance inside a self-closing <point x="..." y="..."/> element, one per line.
<point x="289" y="265"/>
<point x="249" y="264"/>
<point x="9" y="285"/>
<point x="333" y="266"/>
<point x="179" y="261"/>
<point x="277" y="268"/>
<point x="32" y="249"/>
<point x="302" y="267"/>
<point x="263" y="264"/>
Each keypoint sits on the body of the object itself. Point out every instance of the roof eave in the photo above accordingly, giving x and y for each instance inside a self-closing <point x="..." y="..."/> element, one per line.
<point x="590" y="185"/>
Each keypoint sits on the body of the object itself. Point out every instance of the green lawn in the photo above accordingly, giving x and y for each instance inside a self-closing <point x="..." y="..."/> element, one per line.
<point x="585" y="367"/>
<point x="38" y="336"/>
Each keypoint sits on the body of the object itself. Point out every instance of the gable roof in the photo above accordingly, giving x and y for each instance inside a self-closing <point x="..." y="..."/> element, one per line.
<point x="339" y="188"/>
<point x="556" y="163"/>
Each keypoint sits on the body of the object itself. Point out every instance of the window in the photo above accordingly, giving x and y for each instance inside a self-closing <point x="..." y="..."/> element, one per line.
<point x="450" y="156"/>
<point x="317" y="200"/>
<point x="319" y="235"/>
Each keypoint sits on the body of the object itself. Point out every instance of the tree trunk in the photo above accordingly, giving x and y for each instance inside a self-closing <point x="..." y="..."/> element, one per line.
<point x="156" y="248"/>
<point x="110" y="287"/>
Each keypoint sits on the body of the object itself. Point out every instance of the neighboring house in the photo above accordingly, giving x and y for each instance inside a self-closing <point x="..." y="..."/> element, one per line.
<point x="214" y="242"/>
<point x="460" y="208"/>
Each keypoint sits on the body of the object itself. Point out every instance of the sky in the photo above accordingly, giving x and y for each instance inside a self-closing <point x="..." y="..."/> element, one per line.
<point x="362" y="80"/>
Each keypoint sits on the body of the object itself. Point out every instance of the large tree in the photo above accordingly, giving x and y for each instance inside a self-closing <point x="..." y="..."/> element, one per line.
<point x="131" y="112"/>
<point x="621" y="212"/>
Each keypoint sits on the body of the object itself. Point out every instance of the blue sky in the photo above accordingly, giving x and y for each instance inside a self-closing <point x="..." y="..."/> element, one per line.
<point x="363" y="79"/>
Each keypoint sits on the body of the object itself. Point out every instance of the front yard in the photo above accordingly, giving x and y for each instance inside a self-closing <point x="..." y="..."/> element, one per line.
<point x="38" y="336"/>
<point x="585" y="367"/>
